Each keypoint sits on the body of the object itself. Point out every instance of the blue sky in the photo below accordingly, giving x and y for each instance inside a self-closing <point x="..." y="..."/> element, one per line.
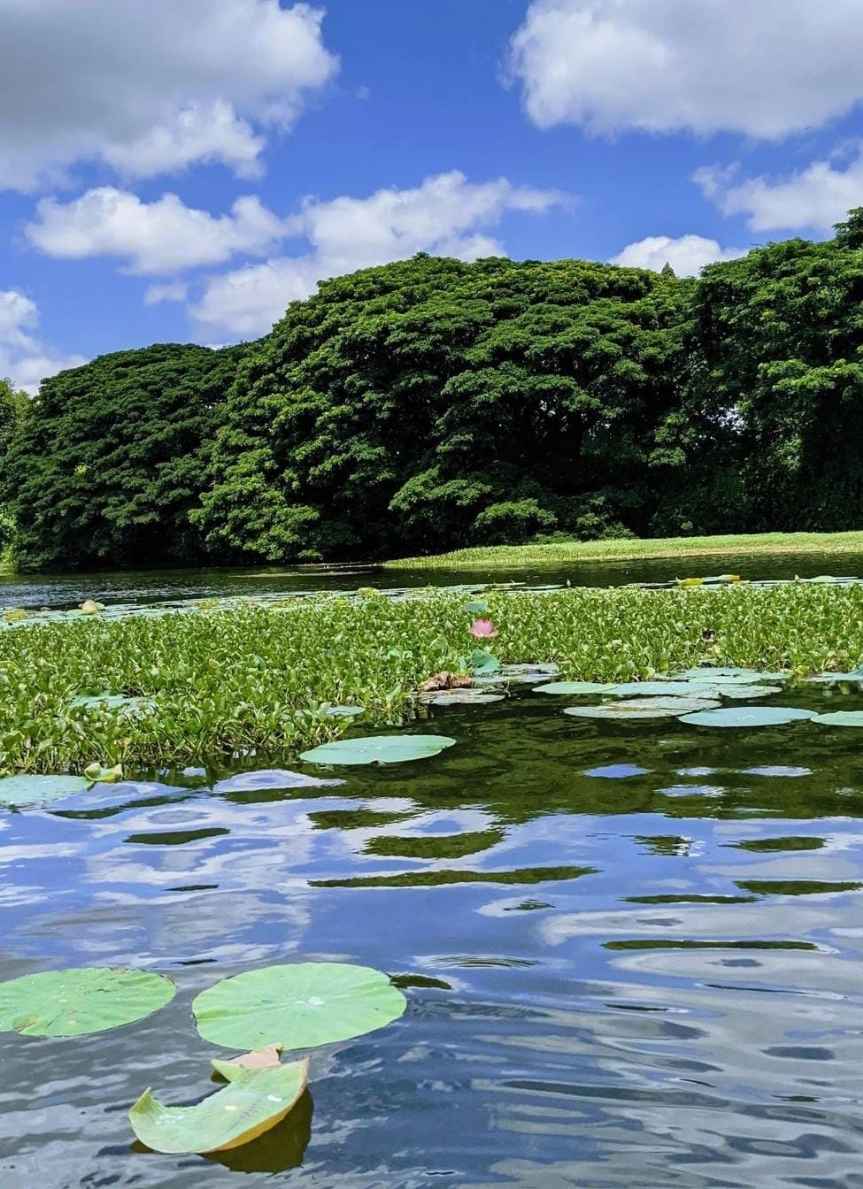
<point x="349" y="136"/>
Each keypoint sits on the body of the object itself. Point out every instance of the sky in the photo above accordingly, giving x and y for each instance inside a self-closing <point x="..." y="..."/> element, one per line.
<point x="180" y="171"/>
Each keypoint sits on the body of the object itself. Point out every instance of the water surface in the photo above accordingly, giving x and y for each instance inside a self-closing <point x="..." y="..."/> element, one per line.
<point x="614" y="979"/>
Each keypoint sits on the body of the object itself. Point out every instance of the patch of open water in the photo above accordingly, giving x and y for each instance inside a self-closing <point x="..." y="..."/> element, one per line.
<point x="632" y="953"/>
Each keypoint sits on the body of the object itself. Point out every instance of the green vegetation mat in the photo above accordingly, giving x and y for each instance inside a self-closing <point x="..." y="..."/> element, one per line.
<point x="262" y="679"/>
<point x="511" y="557"/>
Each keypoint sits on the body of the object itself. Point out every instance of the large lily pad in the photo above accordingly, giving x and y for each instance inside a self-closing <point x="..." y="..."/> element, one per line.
<point x="748" y="716"/>
<point x="657" y="689"/>
<point x="729" y="676"/>
<point x="575" y="689"/>
<point x="253" y="1101"/>
<point x="297" y="1006"/>
<point x="461" y="697"/>
<point x="741" y="692"/>
<point x="644" y="708"/>
<point x="378" y="749"/>
<point x="80" y="1001"/>
<point x="35" y="790"/>
<point x="841" y="718"/>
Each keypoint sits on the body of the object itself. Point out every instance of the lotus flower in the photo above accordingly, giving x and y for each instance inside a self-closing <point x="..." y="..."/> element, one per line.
<point x="483" y="629"/>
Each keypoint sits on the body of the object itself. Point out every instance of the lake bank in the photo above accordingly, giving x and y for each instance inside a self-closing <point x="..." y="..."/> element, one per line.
<point x="559" y="553"/>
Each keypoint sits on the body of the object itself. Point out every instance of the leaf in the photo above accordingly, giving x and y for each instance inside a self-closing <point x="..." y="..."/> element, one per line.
<point x="574" y="689"/>
<point x="477" y="607"/>
<point x="78" y="1002"/>
<point x="636" y="708"/>
<point x="748" y="716"/>
<point x="461" y="697"/>
<point x="298" y="1006"/>
<point x="130" y="707"/>
<point x="484" y="663"/>
<point x="378" y="749"/>
<point x="734" y="691"/>
<point x="658" y="689"/>
<point x="344" y="711"/>
<point x="840" y="718"/>
<point x="31" y="790"/>
<point x="96" y="774"/>
<point x="729" y="676"/>
<point x="253" y="1101"/>
<point x="267" y="1058"/>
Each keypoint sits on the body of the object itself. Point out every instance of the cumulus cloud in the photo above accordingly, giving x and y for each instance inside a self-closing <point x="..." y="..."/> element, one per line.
<point x="446" y="215"/>
<point x="171" y="291"/>
<point x="687" y="255"/>
<point x="155" y="237"/>
<point x="24" y="359"/>
<point x="151" y="87"/>
<point x="817" y="197"/>
<point x="766" y="69"/>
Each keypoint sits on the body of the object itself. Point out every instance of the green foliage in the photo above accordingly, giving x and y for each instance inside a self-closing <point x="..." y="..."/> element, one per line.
<point x="111" y="457"/>
<point x="13" y="409"/>
<point x="432" y="402"/>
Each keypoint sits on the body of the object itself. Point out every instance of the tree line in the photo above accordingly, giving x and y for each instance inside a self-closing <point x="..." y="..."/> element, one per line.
<point x="432" y="403"/>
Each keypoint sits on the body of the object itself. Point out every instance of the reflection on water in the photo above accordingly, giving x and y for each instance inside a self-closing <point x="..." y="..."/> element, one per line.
<point x="632" y="957"/>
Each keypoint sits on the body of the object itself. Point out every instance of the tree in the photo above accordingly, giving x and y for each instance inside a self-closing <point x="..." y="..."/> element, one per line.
<point x="13" y="408"/>
<point x="114" y="458"/>
<point x="431" y="403"/>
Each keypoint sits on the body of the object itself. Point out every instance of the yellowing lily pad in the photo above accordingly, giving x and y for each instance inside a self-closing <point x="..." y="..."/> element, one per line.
<point x="297" y="1006"/>
<point x="35" y="790"/>
<point x="81" y="1001"/>
<point x="253" y="1101"/>
<point x="748" y="716"/>
<point x="378" y="749"/>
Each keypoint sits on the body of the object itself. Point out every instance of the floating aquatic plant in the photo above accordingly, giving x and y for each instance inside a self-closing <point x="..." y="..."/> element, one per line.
<point x="748" y="716"/>
<point x="80" y="1001"/>
<point x="34" y="790"/>
<point x="379" y="749"/>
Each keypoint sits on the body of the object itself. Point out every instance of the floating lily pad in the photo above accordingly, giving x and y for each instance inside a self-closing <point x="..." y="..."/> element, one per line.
<point x="297" y="1006"/>
<point x="253" y="1101"/>
<point x="378" y="749"/>
<point x="35" y="790"/>
<point x="748" y="716"/>
<point x="461" y="697"/>
<point x="272" y="778"/>
<point x="344" y="711"/>
<point x="575" y="689"/>
<point x="841" y="718"/>
<point x="644" y="708"/>
<point x="617" y="772"/>
<point x="80" y="1001"/>
<point x="742" y="692"/>
<point x="729" y="676"/>
<point x="656" y="689"/>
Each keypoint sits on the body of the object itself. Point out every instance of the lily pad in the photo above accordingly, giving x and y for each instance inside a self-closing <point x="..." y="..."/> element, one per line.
<point x="378" y="749"/>
<point x="742" y="692"/>
<point x="729" y="676"/>
<point x="254" y="1101"/>
<point x="33" y="790"/>
<point x="841" y="718"/>
<point x="575" y="689"/>
<point x="272" y="778"/>
<point x="748" y="716"/>
<point x="344" y="711"/>
<point x="461" y="697"/>
<point x="656" y="689"/>
<point x="80" y="1001"/>
<point x="642" y="708"/>
<point x="297" y="1006"/>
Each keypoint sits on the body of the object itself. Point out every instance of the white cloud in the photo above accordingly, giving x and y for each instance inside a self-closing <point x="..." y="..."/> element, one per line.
<point x="766" y="68"/>
<point x="445" y="215"/>
<point x="24" y="359"/>
<point x="172" y="291"/>
<point x="687" y="255"/>
<point x="157" y="237"/>
<point x="817" y="197"/>
<point x="150" y="87"/>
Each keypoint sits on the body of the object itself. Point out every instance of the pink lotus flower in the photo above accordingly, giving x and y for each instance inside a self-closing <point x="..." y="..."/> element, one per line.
<point x="483" y="629"/>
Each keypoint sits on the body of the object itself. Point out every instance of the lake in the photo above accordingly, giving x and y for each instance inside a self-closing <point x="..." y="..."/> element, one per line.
<point x="615" y="978"/>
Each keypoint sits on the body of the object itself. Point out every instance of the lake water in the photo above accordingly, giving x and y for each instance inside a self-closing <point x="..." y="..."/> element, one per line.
<point x="648" y="980"/>
<point x="149" y="586"/>
<point x="632" y="953"/>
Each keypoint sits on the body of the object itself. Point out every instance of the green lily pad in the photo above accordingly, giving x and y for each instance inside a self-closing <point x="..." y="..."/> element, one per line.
<point x="344" y="711"/>
<point x="80" y="1001"/>
<point x="743" y="692"/>
<point x="462" y="697"/>
<point x="748" y="716"/>
<point x="297" y="1006"/>
<point x="841" y="718"/>
<point x="378" y="749"/>
<point x="729" y="676"/>
<point x="33" y="790"/>
<point x="655" y="689"/>
<point x="574" y="689"/>
<point x="253" y="1101"/>
<point x="644" y="708"/>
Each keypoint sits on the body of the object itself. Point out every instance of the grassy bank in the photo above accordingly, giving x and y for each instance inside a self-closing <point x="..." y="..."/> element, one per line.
<point x="564" y="553"/>
<point x="226" y="682"/>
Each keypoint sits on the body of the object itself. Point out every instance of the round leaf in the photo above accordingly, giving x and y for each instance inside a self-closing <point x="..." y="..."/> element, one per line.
<point x="378" y="749"/>
<point x="657" y="689"/>
<point x="80" y="1001"/>
<point x="32" y="790"/>
<point x="635" y="708"/>
<point x="729" y="676"/>
<point x="743" y="692"/>
<point x="253" y="1101"/>
<point x="748" y="716"/>
<point x="574" y="689"/>
<point x="841" y="718"/>
<point x="298" y="1006"/>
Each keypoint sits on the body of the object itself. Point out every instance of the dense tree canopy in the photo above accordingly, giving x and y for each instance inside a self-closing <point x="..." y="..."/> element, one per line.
<point x="112" y="457"/>
<point x="433" y="403"/>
